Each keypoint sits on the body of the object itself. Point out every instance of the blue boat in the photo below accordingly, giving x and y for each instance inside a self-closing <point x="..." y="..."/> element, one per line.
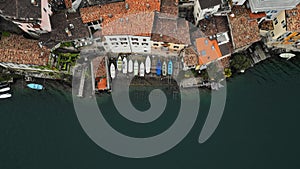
<point x="170" y="68"/>
<point x="158" y="68"/>
<point x="35" y="86"/>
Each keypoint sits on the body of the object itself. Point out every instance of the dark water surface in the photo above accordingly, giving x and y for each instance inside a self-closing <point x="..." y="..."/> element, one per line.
<point x="259" y="129"/>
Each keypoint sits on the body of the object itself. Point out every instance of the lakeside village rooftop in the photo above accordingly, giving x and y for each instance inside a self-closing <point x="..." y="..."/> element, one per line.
<point x="21" y="8"/>
<point x="293" y="19"/>
<point x="19" y="50"/>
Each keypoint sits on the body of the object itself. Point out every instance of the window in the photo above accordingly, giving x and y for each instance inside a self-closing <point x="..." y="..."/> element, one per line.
<point x="275" y="21"/>
<point x="176" y="47"/>
<point x="113" y="39"/>
<point x="115" y="43"/>
<point x="155" y="44"/>
<point x="123" y="39"/>
<point x="145" y="51"/>
<point x="273" y="11"/>
<point x="146" y="44"/>
<point x="145" y="40"/>
<point x="134" y="39"/>
<point x="135" y="43"/>
<point x="124" y="43"/>
<point x="272" y="34"/>
<point x="104" y="43"/>
<point x="206" y="42"/>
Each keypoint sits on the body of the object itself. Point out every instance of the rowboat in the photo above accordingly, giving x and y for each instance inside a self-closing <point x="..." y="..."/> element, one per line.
<point x="148" y="64"/>
<point x="130" y="66"/>
<point x="164" y="68"/>
<point x="35" y="86"/>
<point x="119" y="63"/>
<point x="136" y="68"/>
<point x="5" y="89"/>
<point x="158" y="68"/>
<point x="170" y="68"/>
<point x="142" y="69"/>
<point x="287" y="55"/>
<point x="112" y="71"/>
<point x="4" y="96"/>
<point x="124" y="67"/>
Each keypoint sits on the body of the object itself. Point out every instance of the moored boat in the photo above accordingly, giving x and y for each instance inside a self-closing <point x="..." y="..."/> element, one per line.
<point x="164" y="68"/>
<point x="287" y="55"/>
<point x="148" y="64"/>
<point x="5" y="89"/>
<point x="158" y="68"/>
<point x="170" y="68"/>
<point x="112" y="71"/>
<point x="142" y="69"/>
<point x="119" y="63"/>
<point x="130" y="66"/>
<point x="124" y="67"/>
<point x="136" y="68"/>
<point x="35" y="86"/>
<point x="4" y="96"/>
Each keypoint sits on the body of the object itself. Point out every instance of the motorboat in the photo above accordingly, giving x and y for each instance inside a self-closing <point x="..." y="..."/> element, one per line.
<point x="119" y="63"/>
<point x="148" y="64"/>
<point x="158" y="68"/>
<point x="35" y="86"/>
<point x="4" y="96"/>
<point x="5" y="89"/>
<point x="142" y="69"/>
<point x="287" y="55"/>
<point x="136" y="68"/>
<point x="170" y="68"/>
<point x="124" y="67"/>
<point x="164" y="68"/>
<point x="112" y="71"/>
<point x="130" y="66"/>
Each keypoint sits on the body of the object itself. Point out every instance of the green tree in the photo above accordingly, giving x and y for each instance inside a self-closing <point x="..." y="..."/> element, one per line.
<point x="240" y="62"/>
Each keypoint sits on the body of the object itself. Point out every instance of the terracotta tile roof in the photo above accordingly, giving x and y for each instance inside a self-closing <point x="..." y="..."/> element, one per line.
<point x="214" y="25"/>
<point x="293" y="19"/>
<point x="113" y="11"/>
<point x="19" y="50"/>
<point x="68" y="4"/>
<point x="138" y="24"/>
<point x="244" y="30"/>
<point x="99" y="67"/>
<point x="169" y="6"/>
<point x="170" y="29"/>
<point x="208" y="50"/>
<point x="190" y="57"/>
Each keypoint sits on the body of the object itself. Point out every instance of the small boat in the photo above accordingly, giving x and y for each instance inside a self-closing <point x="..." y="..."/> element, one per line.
<point x="35" y="86"/>
<point x="148" y="64"/>
<point x="170" y="68"/>
<point x="2" y="85"/>
<point x="4" y="96"/>
<point x="124" y="67"/>
<point x="136" y="68"/>
<point x="119" y="63"/>
<point x="164" y="68"/>
<point x="287" y="55"/>
<point x="112" y="71"/>
<point x="158" y="68"/>
<point x="130" y="66"/>
<point x="5" y="89"/>
<point x="142" y="69"/>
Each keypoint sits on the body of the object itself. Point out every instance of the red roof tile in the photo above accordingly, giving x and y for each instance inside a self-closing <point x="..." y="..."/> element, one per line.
<point x="293" y="19"/>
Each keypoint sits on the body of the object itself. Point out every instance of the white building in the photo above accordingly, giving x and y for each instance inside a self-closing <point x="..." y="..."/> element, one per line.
<point x="205" y="8"/>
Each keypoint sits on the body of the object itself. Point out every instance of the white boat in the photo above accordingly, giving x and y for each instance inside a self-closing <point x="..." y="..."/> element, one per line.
<point x="4" y="96"/>
<point x="130" y="66"/>
<point x="136" y="68"/>
<point x="124" y="67"/>
<point x="112" y="71"/>
<point x="164" y="69"/>
<point x="119" y="63"/>
<point x="4" y="89"/>
<point x="287" y="55"/>
<point x="148" y="64"/>
<point x="142" y="69"/>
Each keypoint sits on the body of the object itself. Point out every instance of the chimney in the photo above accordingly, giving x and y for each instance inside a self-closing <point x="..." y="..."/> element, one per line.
<point x="110" y="15"/>
<point x="126" y="6"/>
<point x="148" y="5"/>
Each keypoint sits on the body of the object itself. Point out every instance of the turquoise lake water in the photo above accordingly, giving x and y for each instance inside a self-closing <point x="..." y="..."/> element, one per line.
<point x="259" y="128"/>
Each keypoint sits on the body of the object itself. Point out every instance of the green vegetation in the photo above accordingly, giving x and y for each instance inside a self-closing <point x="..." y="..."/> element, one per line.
<point x="5" y="34"/>
<point x="66" y="44"/>
<point x="240" y="62"/>
<point x="65" y="60"/>
<point x="227" y="72"/>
